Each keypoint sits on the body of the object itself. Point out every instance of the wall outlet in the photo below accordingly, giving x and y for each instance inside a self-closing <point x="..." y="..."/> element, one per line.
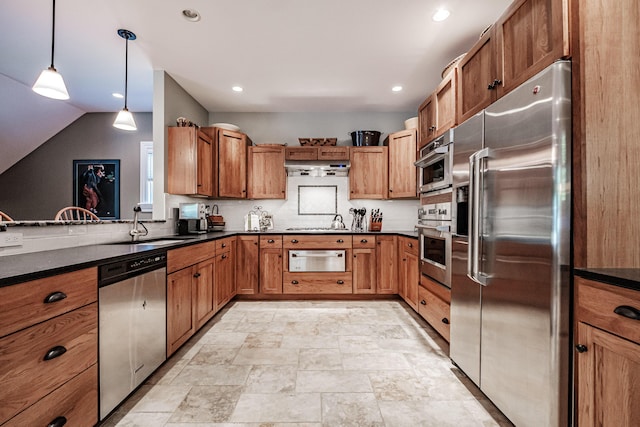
<point x="10" y="239"/>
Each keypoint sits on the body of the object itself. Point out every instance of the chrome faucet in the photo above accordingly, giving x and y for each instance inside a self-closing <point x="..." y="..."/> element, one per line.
<point x="135" y="232"/>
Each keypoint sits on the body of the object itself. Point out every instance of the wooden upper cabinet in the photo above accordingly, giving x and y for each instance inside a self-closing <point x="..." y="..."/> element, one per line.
<point x="301" y="153"/>
<point x="476" y="72"/>
<point x="325" y="152"/>
<point x="445" y="102"/>
<point x="266" y="175"/>
<point x="402" y="172"/>
<point x="232" y="164"/>
<point x="332" y="152"/>
<point x="426" y="121"/>
<point x="190" y="162"/>
<point x="368" y="177"/>
<point x="530" y="35"/>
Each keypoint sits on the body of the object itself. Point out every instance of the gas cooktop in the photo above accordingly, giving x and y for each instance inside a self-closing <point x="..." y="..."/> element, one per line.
<point x="317" y="229"/>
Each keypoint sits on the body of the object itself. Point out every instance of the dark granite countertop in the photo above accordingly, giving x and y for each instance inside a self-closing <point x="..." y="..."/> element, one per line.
<point x="623" y="277"/>
<point x="23" y="267"/>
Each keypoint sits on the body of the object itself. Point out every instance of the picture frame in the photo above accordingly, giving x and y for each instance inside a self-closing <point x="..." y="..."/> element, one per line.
<point x="96" y="187"/>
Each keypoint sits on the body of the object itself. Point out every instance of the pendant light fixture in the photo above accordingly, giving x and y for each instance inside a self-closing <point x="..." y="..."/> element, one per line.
<point x="50" y="82"/>
<point x="125" y="118"/>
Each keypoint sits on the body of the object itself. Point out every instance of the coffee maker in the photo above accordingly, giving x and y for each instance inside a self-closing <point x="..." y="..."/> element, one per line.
<point x="192" y="218"/>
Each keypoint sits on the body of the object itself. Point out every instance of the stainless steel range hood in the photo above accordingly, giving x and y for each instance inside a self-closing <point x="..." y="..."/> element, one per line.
<point x="317" y="168"/>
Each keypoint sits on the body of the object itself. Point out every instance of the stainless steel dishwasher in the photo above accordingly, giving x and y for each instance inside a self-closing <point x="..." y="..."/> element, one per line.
<point x="132" y="311"/>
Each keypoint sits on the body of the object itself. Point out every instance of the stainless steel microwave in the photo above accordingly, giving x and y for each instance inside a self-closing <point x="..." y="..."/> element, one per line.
<point x="435" y="164"/>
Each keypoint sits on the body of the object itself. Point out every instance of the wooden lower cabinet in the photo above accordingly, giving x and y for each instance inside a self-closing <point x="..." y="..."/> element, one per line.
<point x="271" y="270"/>
<point x="409" y="271"/>
<point x="364" y="271"/>
<point x="204" y="276"/>
<point x="225" y="288"/>
<point x="434" y="301"/>
<point x="607" y="356"/>
<point x="247" y="273"/>
<point x="317" y="283"/>
<point x="386" y="264"/>
<point x="181" y="323"/>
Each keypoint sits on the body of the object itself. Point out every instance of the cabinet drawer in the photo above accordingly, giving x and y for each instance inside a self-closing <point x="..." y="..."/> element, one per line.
<point x="435" y="311"/>
<point x="408" y="245"/>
<point x="307" y="241"/>
<point x="177" y="259"/>
<point x="76" y="401"/>
<point x="224" y="244"/>
<point x="333" y="153"/>
<point x="271" y="241"/>
<point x="364" y="241"/>
<point x="24" y="374"/>
<point x="596" y="305"/>
<point x="301" y="153"/>
<point x="436" y="288"/>
<point x="24" y="305"/>
<point x="317" y="283"/>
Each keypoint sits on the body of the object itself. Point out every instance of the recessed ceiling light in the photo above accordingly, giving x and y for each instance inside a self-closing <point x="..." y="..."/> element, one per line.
<point x="191" y="15"/>
<point x="237" y="89"/>
<point x="397" y="88"/>
<point x="117" y="95"/>
<point x="440" y="15"/>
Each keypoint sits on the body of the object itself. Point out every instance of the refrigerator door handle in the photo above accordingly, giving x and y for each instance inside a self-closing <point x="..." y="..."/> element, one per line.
<point x="476" y="186"/>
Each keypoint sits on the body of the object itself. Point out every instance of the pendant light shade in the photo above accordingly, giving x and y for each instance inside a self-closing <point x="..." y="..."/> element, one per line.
<point x="125" y="120"/>
<point x="50" y="82"/>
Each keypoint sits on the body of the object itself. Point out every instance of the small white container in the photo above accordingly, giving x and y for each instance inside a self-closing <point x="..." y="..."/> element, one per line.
<point x="411" y="123"/>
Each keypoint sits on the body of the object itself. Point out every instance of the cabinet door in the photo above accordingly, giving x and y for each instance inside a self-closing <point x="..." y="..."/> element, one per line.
<point x="205" y="165"/>
<point x="301" y="153"/>
<point x="181" y="160"/>
<point x="204" y="287"/>
<point x="232" y="164"/>
<point x="271" y="270"/>
<point x="386" y="265"/>
<point x="402" y="173"/>
<point x="410" y="278"/>
<point x="364" y="271"/>
<point x="369" y="173"/>
<point x="445" y="95"/>
<point x="247" y="265"/>
<point x="225" y="286"/>
<point x="180" y="314"/>
<point x="426" y="121"/>
<point x="608" y="377"/>
<point x="267" y="177"/>
<point x="333" y="153"/>
<point x="476" y="73"/>
<point x="530" y="36"/>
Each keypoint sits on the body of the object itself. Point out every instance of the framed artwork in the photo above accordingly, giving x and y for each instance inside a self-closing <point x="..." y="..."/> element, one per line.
<point x="96" y="187"/>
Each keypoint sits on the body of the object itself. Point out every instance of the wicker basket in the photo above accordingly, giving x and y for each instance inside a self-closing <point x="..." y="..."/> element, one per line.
<point x="317" y="141"/>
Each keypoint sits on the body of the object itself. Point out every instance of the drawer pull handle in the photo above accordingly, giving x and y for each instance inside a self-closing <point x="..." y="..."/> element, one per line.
<point x="581" y="348"/>
<point x="294" y="282"/>
<point x="445" y="320"/>
<point x="56" y="351"/>
<point x="196" y="275"/>
<point x="363" y="241"/>
<point x="224" y="245"/>
<point x="339" y="241"/>
<point x="423" y="302"/>
<point x="224" y="256"/>
<point x="294" y="241"/>
<point x="627" y="311"/>
<point x="340" y="282"/>
<point x="271" y="241"/>
<point x="58" y="422"/>
<point x="410" y="245"/>
<point x="55" y="297"/>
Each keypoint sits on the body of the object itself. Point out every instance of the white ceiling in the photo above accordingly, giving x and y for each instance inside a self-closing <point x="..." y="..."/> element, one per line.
<point x="288" y="55"/>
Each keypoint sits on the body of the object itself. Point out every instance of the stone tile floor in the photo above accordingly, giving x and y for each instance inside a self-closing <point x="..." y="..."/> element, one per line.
<point x="310" y="363"/>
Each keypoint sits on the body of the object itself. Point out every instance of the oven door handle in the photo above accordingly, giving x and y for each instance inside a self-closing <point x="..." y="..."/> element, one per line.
<point x="441" y="228"/>
<point x="433" y="156"/>
<point x="476" y="193"/>
<point x="325" y="255"/>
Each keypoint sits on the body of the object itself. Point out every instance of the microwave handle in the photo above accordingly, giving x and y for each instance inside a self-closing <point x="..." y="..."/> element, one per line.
<point x="476" y="186"/>
<point x="426" y="160"/>
<point x="442" y="228"/>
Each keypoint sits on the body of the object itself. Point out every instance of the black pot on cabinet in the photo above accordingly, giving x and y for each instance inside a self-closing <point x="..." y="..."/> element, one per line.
<point x="365" y="137"/>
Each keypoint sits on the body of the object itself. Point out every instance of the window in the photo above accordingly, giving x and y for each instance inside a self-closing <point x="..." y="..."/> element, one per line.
<point x="146" y="176"/>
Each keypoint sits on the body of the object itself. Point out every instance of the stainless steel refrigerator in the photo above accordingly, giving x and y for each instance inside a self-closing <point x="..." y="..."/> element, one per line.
<point x="510" y="283"/>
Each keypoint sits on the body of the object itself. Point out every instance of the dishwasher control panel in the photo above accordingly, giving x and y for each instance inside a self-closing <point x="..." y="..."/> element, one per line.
<point x="116" y="271"/>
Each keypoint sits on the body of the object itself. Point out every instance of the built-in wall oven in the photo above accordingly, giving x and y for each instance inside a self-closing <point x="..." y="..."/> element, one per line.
<point x="434" y="227"/>
<point x="434" y="166"/>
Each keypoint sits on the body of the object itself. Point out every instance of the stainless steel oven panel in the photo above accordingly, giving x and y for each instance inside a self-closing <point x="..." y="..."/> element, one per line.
<point x="438" y="150"/>
<point x="435" y="250"/>
<point x="435" y="212"/>
<point x="317" y="261"/>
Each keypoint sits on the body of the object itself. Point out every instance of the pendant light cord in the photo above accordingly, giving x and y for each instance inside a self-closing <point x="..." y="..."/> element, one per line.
<point x="53" y="32"/>
<point x="126" y="70"/>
